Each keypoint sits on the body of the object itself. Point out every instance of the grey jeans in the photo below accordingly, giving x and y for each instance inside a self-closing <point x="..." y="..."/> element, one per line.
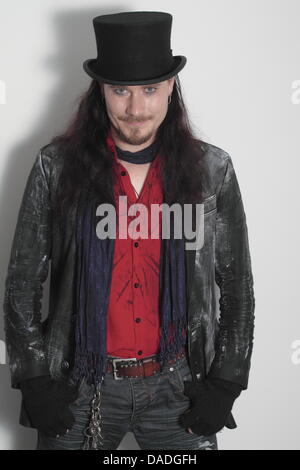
<point x="148" y="407"/>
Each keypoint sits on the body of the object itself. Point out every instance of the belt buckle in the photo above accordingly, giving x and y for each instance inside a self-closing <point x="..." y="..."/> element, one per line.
<point x="120" y="360"/>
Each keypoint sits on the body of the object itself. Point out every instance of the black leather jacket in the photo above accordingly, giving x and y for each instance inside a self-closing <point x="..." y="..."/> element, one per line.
<point x="220" y="269"/>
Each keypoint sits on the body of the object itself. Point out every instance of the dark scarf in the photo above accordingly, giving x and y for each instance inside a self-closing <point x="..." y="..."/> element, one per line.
<point x="145" y="155"/>
<point x="93" y="279"/>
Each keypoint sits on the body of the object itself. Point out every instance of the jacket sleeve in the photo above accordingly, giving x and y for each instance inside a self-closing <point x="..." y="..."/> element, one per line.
<point x="233" y="274"/>
<point x="27" y="271"/>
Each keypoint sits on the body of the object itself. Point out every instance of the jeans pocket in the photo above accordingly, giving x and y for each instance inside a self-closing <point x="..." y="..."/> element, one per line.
<point x="183" y="374"/>
<point x="179" y="373"/>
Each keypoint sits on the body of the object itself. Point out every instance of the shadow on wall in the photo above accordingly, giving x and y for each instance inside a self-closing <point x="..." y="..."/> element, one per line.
<point x="72" y="49"/>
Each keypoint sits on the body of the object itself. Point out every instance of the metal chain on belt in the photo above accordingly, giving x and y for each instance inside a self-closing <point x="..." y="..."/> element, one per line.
<point x="93" y="436"/>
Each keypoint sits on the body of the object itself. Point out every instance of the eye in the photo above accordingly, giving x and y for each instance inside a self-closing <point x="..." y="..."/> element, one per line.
<point x="116" y="90"/>
<point x="119" y="90"/>
<point x="153" y="88"/>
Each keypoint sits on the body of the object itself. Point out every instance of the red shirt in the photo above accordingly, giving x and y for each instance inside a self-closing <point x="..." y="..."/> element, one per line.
<point x="133" y="319"/>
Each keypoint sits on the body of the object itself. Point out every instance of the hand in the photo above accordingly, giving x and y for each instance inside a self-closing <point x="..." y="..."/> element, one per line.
<point x="46" y="400"/>
<point x="212" y="400"/>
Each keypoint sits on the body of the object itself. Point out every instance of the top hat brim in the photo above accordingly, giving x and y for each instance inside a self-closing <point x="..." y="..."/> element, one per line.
<point x="90" y="67"/>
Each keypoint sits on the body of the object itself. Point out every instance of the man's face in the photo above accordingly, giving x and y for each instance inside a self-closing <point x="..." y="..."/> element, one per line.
<point x="136" y="112"/>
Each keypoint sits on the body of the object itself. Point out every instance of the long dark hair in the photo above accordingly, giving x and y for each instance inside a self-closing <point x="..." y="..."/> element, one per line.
<point x="88" y="161"/>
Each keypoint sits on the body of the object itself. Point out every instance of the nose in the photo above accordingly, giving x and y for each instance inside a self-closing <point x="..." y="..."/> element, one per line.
<point x="136" y="106"/>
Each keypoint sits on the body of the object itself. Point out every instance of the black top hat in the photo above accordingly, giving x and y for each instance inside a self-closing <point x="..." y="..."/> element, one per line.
<point x="133" y="48"/>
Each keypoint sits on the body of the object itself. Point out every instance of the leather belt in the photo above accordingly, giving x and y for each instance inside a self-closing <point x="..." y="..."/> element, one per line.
<point x="134" y="368"/>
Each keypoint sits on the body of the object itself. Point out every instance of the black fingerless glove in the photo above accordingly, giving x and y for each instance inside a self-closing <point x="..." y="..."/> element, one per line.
<point x="46" y="401"/>
<point x="212" y="400"/>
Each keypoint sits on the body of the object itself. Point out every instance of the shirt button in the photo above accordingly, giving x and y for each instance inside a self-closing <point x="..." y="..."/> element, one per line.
<point x="137" y="320"/>
<point x="136" y="284"/>
<point x="140" y="352"/>
<point x="136" y="244"/>
<point x="123" y="173"/>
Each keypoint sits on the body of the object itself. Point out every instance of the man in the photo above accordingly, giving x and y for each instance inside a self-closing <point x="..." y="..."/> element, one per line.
<point x="132" y="340"/>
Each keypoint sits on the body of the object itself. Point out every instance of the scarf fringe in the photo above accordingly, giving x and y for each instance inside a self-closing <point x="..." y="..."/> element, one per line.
<point x="91" y="366"/>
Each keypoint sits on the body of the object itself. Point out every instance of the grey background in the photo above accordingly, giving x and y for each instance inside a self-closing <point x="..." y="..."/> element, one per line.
<point x="242" y="65"/>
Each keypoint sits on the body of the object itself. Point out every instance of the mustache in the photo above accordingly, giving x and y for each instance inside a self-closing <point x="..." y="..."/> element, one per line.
<point x="135" y="120"/>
